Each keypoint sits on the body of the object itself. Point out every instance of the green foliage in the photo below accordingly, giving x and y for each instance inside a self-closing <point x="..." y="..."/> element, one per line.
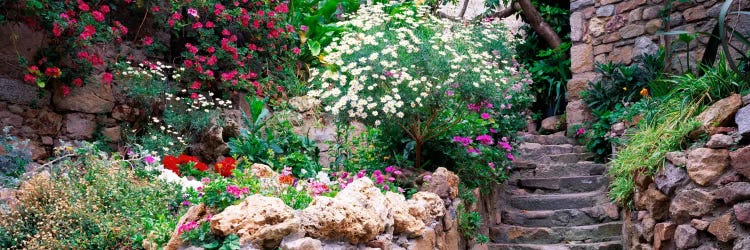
<point x="296" y="199"/>
<point x="276" y="144"/>
<point x="468" y="223"/>
<point x="89" y="201"/>
<point x="203" y="237"/>
<point x="320" y="18"/>
<point x="665" y="126"/>
<point x="17" y="155"/>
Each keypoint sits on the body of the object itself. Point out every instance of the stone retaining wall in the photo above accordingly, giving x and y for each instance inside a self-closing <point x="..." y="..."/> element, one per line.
<point x="621" y="31"/>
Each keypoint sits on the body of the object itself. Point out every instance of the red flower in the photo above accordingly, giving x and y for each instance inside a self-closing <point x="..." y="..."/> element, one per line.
<point x="83" y="55"/>
<point x="98" y="16"/>
<point x="65" y="90"/>
<point x="29" y="78"/>
<point x="88" y="32"/>
<point x="34" y="70"/>
<point x="194" y="96"/>
<point x="296" y="50"/>
<point x="78" y="82"/>
<point x="210" y="25"/>
<point x="183" y="158"/>
<point x="200" y="166"/>
<point x="195" y="85"/>
<point x="225" y="166"/>
<point x="107" y="78"/>
<point x="170" y="162"/>
<point x="57" y="30"/>
<point x="53" y="72"/>
<point x="83" y="6"/>
<point x="197" y="25"/>
<point x="147" y="40"/>
<point x="104" y="9"/>
<point x="155" y="8"/>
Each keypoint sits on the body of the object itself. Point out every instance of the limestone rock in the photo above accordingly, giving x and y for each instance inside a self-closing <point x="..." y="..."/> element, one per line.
<point x="742" y="211"/>
<point x="585" y="58"/>
<point x="705" y="164"/>
<point x="686" y="236"/>
<point x="740" y="161"/>
<point x="444" y="183"/>
<point x="403" y="221"/>
<point x="79" y="126"/>
<point x="632" y="30"/>
<point x="720" y="113"/>
<point x="195" y="213"/>
<point x="720" y="141"/>
<point x="654" y="201"/>
<point x="90" y="98"/>
<point x="305" y="243"/>
<point x="552" y="124"/>
<point x="691" y="203"/>
<point x="262" y="171"/>
<point x="259" y="220"/>
<point x="733" y="192"/>
<point x="577" y="113"/>
<point x="426" y="206"/>
<point x="669" y="178"/>
<point x="334" y="219"/>
<point x="427" y="241"/>
<point x="362" y="192"/>
<point x="723" y="228"/>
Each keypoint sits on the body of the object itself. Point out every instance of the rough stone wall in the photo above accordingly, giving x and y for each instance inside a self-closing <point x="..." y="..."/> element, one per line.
<point x="701" y="198"/>
<point x="622" y="30"/>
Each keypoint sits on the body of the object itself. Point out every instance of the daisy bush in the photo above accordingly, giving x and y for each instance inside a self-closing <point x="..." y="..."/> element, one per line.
<point x="433" y="80"/>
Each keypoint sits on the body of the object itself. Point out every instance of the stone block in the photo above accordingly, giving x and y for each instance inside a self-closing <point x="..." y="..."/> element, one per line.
<point x="622" y="55"/>
<point x="18" y="92"/>
<point x="605" y="11"/>
<point x="576" y="26"/>
<point x="577" y="113"/>
<point x="632" y="30"/>
<point x="695" y="13"/>
<point x="705" y="164"/>
<point x="582" y="58"/>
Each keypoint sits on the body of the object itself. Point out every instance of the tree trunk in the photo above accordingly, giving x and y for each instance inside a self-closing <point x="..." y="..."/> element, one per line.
<point x="418" y="156"/>
<point x="463" y="9"/>
<point x="540" y="26"/>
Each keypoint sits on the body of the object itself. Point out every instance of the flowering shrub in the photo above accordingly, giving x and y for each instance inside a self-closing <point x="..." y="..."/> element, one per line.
<point x="185" y="165"/>
<point x="430" y="78"/>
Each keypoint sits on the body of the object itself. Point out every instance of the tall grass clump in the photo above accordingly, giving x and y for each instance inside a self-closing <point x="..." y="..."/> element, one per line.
<point x="666" y="129"/>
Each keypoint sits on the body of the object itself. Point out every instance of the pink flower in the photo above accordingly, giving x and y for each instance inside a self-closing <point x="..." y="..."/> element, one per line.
<point x="580" y="131"/>
<point x="485" y="116"/>
<point x="197" y="25"/>
<point x="88" y="32"/>
<point x="149" y="160"/>
<point x="296" y="50"/>
<point x="57" y="30"/>
<point x="504" y="145"/>
<point x="510" y="157"/>
<point x="195" y="85"/>
<point x="78" y="82"/>
<point x="187" y="227"/>
<point x="303" y="27"/>
<point x="98" y="16"/>
<point x="104" y="9"/>
<point x="210" y="25"/>
<point x="192" y="12"/>
<point x="449" y="93"/>
<point x="465" y="141"/>
<point x="194" y="96"/>
<point x="491" y="164"/>
<point x="83" y="6"/>
<point x="485" y="139"/>
<point x="390" y="169"/>
<point x="65" y="90"/>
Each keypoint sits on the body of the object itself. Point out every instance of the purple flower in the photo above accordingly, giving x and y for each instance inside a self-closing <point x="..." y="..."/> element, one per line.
<point x="386" y="187"/>
<point x="491" y="164"/>
<point x="492" y="130"/>
<point x="449" y="93"/>
<point x="485" y="116"/>
<point x="505" y="145"/>
<point x="510" y="157"/>
<point x="360" y="174"/>
<point x="149" y="159"/>
<point x="485" y="139"/>
<point x="427" y="177"/>
<point x="400" y="190"/>
<point x="186" y="203"/>
<point x="379" y="179"/>
<point x="465" y="141"/>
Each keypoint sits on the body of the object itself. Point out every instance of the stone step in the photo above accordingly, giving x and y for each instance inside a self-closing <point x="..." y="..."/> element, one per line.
<point x="561" y="218"/>
<point x="608" y="245"/>
<point x="551" y="159"/>
<point x="557" y="201"/>
<point x="532" y="170"/>
<point x="530" y="148"/>
<point x="562" y="185"/>
<point x="555" y="235"/>
<point x="553" y="139"/>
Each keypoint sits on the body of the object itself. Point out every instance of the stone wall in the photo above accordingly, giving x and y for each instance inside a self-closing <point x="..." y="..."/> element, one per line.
<point x="621" y="31"/>
<point x="701" y="198"/>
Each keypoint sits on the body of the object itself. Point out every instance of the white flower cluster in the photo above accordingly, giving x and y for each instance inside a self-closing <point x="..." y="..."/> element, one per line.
<point x="148" y="70"/>
<point x="391" y="64"/>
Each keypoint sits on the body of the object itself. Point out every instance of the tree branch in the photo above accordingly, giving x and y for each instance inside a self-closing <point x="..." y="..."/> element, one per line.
<point x="540" y="26"/>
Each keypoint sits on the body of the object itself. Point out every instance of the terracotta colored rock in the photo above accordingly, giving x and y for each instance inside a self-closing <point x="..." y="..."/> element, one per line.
<point x="427" y="241"/>
<point x="444" y="183"/>
<point x="553" y="124"/>
<point x="335" y="219"/>
<point x="654" y="201"/>
<point x="720" y="113"/>
<point x="677" y="158"/>
<point x="740" y="161"/>
<point x="195" y="213"/>
<point x="79" y="126"/>
<point x="113" y="134"/>
<point x="723" y="228"/>
<point x="94" y="98"/>
<point x="705" y="164"/>
<point x="258" y="220"/>
<point x="742" y="212"/>
<point x="670" y="177"/>
<point x="733" y="192"/>
<point x="720" y="141"/>
<point x="685" y="237"/>
<point x="403" y="221"/>
<point x="44" y="122"/>
<point x="691" y="203"/>
<point x="663" y="232"/>
<point x="699" y="224"/>
<point x="426" y="206"/>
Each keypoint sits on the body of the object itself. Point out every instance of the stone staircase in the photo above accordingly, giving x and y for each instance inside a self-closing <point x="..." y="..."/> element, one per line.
<point x="556" y="199"/>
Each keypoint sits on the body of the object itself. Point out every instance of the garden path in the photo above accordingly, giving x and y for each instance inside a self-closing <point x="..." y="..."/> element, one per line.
<point x="556" y="199"/>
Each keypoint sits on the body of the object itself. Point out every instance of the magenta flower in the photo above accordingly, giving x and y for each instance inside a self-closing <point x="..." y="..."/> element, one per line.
<point x="465" y="141"/>
<point x="149" y="160"/>
<point x="485" y="139"/>
<point x="192" y="12"/>
<point x="491" y="164"/>
<point x="580" y="131"/>
<point x="187" y="227"/>
<point x="390" y="169"/>
<point x="485" y="116"/>
<point x="510" y="157"/>
<point x="505" y="145"/>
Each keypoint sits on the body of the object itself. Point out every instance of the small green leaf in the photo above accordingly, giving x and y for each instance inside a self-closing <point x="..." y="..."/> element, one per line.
<point x="314" y="47"/>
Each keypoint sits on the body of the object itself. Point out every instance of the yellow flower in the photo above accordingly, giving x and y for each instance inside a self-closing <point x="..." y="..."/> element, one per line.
<point x="625" y="88"/>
